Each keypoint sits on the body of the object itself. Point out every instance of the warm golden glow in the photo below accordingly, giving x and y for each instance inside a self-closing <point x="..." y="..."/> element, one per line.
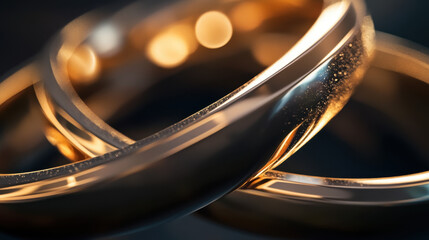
<point x="71" y="181"/>
<point x="66" y="150"/>
<point x="17" y="82"/>
<point x="269" y="48"/>
<point x="186" y="32"/>
<point x="248" y="16"/>
<point x="168" y="50"/>
<point x="295" y="3"/>
<point x="280" y="155"/>
<point x="83" y="65"/>
<point x="85" y="144"/>
<point x="213" y="29"/>
<point x="62" y="144"/>
<point x="171" y="47"/>
<point x="50" y="187"/>
<point x="270" y="187"/>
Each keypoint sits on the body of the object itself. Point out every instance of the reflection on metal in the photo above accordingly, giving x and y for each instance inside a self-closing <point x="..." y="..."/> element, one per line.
<point x="167" y="42"/>
<point x="63" y="145"/>
<point x="213" y="29"/>
<point x="9" y="195"/>
<point x="279" y="187"/>
<point x="354" y="191"/>
<point x="241" y="120"/>
<point x="18" y="81"/>
<point x="79" y="138"/>
<point x="83" y="66"/>
<point x="416" y="178"/>
<point x="279" y="192"/>
<point x="171" y="46"/>
<point x="71" y="181"/>
<point x="412" y="62"/>
<point x="329" y="17"/>
<point x="282" y="152"/>
<point x="49" y="187"/>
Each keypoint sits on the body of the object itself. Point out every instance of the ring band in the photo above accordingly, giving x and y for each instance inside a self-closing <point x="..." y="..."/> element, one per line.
<point x="287" y="203"/>
<point x="59" y="100"/>
<point x="243" y="117"/>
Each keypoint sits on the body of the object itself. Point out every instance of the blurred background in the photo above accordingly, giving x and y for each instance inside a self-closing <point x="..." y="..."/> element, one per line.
<point x="27" y="25"/>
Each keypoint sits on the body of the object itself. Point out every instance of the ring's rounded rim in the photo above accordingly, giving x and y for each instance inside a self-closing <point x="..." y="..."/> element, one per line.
<point x="54" y="181"/>
<point x="162" y="177"/>
<point x="332" y="25"/>
<point x="350" y="17"/>
<point x="393" y="54"/>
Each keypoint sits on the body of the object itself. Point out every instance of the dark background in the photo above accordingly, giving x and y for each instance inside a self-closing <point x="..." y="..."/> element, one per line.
<point x="26" y="25"/>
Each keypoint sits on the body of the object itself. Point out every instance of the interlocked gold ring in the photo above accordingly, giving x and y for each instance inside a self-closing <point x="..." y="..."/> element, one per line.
<point x="286" y="203"/>
<point x="191" y="163"/>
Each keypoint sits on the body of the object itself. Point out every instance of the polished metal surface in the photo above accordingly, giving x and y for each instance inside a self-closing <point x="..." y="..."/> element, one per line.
<point x="93" y="137"/>
<point x="194" y="162"/>
<point x="278" y="202"/>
